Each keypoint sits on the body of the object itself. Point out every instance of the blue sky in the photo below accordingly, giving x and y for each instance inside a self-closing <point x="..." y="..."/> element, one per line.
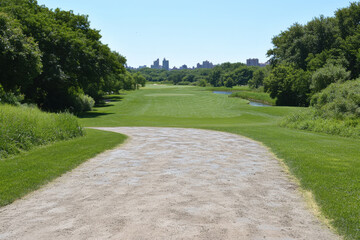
<point x="191" y="31"/>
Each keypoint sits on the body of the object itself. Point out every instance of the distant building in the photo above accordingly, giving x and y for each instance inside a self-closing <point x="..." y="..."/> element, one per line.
<point x="165" y="64"/>
<point x="183" y="67"/>
<point x="255" y="62"/>
<point x="140" y="67"/>
<point x="252" y="62"/>
<point x="206" y="64"/>
<point x="156" y="64"/>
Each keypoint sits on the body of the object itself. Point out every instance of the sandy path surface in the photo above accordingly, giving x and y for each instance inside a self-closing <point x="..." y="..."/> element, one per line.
<point x="167" y="183"/>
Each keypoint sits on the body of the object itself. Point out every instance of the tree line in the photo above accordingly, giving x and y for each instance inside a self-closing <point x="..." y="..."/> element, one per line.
<point x="307" y="58"/>
<point x="53" y="58"/>
<point x="226" y="74"/>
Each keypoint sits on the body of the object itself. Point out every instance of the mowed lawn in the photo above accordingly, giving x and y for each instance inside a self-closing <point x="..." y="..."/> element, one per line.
<point x="327" y="166"/>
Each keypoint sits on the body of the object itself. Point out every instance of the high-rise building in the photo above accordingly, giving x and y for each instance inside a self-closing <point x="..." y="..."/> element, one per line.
<point x="206" y="64"/>
<point x="165" y="64"/>
<point x="252" y="62"/>
<point x="156" y="64"/>
<point x="183" y="67"/>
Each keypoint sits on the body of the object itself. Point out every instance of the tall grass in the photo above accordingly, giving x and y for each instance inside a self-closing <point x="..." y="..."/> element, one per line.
<point x="22" y="128"/>
<point x="254" y="96"/>
<point x="309" y="119"/>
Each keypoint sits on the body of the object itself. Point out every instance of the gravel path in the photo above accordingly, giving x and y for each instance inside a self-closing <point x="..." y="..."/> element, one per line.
<point x="168" y="183"/>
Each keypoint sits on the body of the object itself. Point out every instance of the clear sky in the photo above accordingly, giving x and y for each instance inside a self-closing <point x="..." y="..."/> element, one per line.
<point x="191" y="31"/>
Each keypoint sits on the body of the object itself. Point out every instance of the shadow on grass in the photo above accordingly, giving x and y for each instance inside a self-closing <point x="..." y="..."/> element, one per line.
<point x="92" y="114"/>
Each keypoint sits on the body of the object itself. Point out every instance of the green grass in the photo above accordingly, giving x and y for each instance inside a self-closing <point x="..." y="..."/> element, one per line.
<point x="30" y="170"/>
<point x="326" y="165"/>
<point x="22" y="128"/>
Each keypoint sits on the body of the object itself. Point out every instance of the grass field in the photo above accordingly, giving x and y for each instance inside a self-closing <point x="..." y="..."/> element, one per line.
<point x="30" y="170"/>
<point x="327" y="166"/>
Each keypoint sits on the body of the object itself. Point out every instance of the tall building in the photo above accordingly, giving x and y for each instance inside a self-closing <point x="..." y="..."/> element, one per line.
<point x="206" y="64"/>
<point x="165" y="64"/>
<point x="183" y="67"/>
<point x="252" y="62"/>
<point x="156" y="64"/>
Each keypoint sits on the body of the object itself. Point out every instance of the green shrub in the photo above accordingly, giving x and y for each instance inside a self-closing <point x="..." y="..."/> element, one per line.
<point x="83" y="103"/>
<point x="335" y="110"/>
<point x="9" y="97"/>
<point x="22" y="128"/>
<point x="323" y="77"/>
<point x="339" y="100"/>
<point x="202" y="83"/>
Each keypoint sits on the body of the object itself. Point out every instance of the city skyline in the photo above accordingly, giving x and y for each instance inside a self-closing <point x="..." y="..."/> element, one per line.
<point x="189" y="32"/>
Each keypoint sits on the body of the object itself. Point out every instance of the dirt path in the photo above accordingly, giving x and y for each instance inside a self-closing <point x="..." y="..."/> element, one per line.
<point x="167" y="183"/>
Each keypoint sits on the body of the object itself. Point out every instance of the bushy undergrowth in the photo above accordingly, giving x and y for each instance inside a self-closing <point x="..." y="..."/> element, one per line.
<point x="309" y="119"/>
<point x="255" y="96"/>
<point x="335" y="110"/>
<point x="82" y="103"/>
<point x="22" y="128"/>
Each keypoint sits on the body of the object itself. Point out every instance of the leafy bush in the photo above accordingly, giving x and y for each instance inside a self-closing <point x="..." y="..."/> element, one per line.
<point x="308" y="119"/>
<point x="82" y="103"/>
<point x="323" y="77"/>
<point x="339" y="100"/>
<point x="10" y="98"/>
<point x="22" y="128"/>
<point x="335" y="110"/>
<point x="201" y="83"/>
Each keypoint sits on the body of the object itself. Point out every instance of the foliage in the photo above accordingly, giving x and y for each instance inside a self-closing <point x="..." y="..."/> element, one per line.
<point x="10" y="97"/>
<point x="54" y="52"/>
<point x="22" y="128"/>
<point x="289" y="85"/>
<point x="335" y="110"/>
<point x="28" y="171"/>
<point x="325" y="47"/>
<point x="309" y="119"/>
<point x="226" y="74"/>
<point x="20" y="57"/>
<point x="338" y="101"/>
<point x="82" y="103"/>
<point x="257" y="79"/>
<point x="323" y="77"/>
<point x="255" y="96"/>
<point x="202" y="83"/>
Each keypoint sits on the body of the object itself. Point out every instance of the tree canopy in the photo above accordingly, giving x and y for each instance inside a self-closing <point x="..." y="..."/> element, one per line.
<point x="325" y="49"/>
<point x="55" y="55"/>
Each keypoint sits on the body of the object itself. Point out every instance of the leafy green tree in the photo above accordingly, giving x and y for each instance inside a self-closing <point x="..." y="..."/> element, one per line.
<point x="74" y="59"/>
<point x="20" y="57"/>
<point x="215" y="77"/>
<point x="289" y="85"/>
<point x="258" y="78"/>
<point x="229" y="82"/>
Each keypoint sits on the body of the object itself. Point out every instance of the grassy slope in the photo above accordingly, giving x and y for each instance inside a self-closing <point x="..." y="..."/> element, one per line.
<point x="28" y="171"/>
<point x="326" y="165"/>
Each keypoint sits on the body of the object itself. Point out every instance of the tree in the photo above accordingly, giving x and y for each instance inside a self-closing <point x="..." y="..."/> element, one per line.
<point x="289" y="85"/>
<point x="20" y="57"/>
<point x="258" y="78"/>
<point x="74" y="60"/>
<point x="215" y="77"/>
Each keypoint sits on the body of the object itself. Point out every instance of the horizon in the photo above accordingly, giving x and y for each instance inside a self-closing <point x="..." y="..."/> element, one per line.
<point x="191" y="32"/>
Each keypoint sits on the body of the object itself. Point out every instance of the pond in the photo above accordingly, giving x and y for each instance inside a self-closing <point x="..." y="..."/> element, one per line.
<point x="256" y="104"/>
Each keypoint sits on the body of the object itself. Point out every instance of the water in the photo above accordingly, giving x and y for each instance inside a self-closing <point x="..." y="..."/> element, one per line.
<point x="222" y="92"/>
<point x="256" y="104"/>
